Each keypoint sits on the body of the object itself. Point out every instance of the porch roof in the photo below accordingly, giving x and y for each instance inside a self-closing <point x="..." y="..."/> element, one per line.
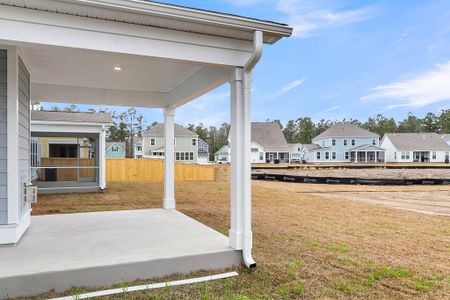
<point x="129" y="53"/>
<point x="367" y="147"/>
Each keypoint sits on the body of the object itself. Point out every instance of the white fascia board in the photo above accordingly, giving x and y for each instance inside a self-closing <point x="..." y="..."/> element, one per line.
<point x="176" y="17"/>
<point x="66" y="127"/>
<point x="21" y="25"/>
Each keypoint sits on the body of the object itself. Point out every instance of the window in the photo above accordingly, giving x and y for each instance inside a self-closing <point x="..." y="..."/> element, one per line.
<point x="405" y="155"/>
<point x="298" y="149"/>
<point x="191" y="155"/>
<point x="327" y="155"/>
<point x="434" y="154"/>
<point x="353" y="143"/>
<point x="115" y="149"/>
<point x="447" y="156"/>
<point x="318" y="155"/>
<point x="333" y="142"/>
<point x="177" y="155"/>
<point x="194" y="142"/>
<point x="345" y="142"/>
<point x="333" y="155"/>
<point x="182" y="156"/>
<point x="395" y="155"/>
<point x="152" y="142"/>
<point x="139" y="148"/>
<point x="261" y="155"/>
<point x="174" y="141"/>
<point x="373" y="142"/>
<point x="346" y="155"/>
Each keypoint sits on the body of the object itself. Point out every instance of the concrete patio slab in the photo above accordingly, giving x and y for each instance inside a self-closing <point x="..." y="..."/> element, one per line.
<point x="103" y="248"/>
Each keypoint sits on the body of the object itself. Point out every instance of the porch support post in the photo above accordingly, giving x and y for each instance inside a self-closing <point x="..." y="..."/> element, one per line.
<point x="366" y="155"/>
<point x="169" y="159"/>
<point x="237" y="127"/>
<point x="101" y="158"/>
<point x="376" y="156"/>
<point x="356" y="156"/>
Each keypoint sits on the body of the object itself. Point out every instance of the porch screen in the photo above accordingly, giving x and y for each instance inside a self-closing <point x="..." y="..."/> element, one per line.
<point x="64" y="159"/>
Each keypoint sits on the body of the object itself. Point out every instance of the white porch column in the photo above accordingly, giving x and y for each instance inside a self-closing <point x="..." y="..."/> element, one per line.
<point x="376" y="156"/>
<point x="365" y="156"/>
<point x="356" y="156"/>
<point x="236" y="108"/>
<point x="169" y="159"/>
<point x="101" y="159"/>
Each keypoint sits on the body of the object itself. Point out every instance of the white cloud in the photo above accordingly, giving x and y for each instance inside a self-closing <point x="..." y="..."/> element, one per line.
<point x="290" y="86"/>
<point x="309" y="16"/>
<point x="333" y="108"/>
<point x="428" y="88"/>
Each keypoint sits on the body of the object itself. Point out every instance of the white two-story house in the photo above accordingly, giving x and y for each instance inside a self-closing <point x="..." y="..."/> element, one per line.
<point x="188" y="146"/>
<point x="344" y="142"/>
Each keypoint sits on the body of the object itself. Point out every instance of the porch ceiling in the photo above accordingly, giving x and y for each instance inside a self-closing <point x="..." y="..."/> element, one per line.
<point x="69" y="75"/>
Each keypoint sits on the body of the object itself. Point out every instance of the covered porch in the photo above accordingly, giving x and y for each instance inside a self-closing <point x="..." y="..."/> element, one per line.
<point x="123" y="53"/>
<point x="100" y="248"/>
<point x="368" y="154"/>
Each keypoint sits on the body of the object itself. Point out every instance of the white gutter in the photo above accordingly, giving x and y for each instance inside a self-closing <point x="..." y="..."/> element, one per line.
<point x="247" y="205"/>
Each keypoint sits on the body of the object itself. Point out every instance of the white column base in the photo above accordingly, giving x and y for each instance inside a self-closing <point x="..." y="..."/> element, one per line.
<point x="11" y="233"/>
<point x="169" y="203"/>
<point x="235" y="238"/>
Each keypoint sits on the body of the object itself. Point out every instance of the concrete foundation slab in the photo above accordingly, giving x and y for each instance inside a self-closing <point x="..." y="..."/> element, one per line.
<point x="103" y="248"/>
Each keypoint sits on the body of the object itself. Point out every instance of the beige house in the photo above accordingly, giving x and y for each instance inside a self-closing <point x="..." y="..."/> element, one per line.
<point x="188" y="147"/>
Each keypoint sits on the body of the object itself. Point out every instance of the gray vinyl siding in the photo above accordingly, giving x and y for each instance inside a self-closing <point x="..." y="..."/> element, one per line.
<point x="24" y="133"/>
<point x="3" y="191"/>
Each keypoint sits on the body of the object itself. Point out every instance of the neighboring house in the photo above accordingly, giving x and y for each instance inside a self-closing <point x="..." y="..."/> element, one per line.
<point x="203" y="152"/>
<point x="222" y="155"/>
<point x="188" y="147"/>
<point x="64" y="148"/>
<point x="307" y="152"/>
<point x="296" y="152"/>
<point x="446" y="138"/>
<point x="115" y="150"/>
<point x="415" y="147"/>
<point x="138" y="146"/>
<point x="345" y="142"/>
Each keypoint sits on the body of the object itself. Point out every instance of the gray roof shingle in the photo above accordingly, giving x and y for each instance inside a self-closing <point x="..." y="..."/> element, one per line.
<point x="269" y="135"/>
<point x="158" y="130"/>
<point x="82" y="117"/>
<point x="417" y="141"/>
<point x="345" y="130"/>
<point x="120" y="144"/>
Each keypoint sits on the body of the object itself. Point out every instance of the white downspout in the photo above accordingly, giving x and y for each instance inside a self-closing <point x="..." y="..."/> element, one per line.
<point x="247" y="205"/>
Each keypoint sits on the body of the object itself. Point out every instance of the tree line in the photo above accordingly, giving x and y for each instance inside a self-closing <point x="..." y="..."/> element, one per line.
<point x="130" y="124"/>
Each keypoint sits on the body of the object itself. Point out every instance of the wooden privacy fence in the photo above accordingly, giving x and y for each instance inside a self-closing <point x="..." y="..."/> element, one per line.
<point x="152" y="170"/>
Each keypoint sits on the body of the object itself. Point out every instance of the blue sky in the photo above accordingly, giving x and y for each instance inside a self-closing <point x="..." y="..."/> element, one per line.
<point x="347" y="59"/>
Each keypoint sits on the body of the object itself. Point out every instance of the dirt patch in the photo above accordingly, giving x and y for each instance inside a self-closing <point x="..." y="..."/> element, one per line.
<point x="367" y="173"/>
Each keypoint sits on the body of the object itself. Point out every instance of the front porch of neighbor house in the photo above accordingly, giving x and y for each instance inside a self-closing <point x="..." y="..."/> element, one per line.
<point x="100" y="248"/>
<point x="124" y="53"/>
<point x="367" y="154"/>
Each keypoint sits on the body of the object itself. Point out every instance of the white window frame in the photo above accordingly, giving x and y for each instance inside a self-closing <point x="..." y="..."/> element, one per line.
<point x="345" y="142"/>
<point x="333" y="155"/>
<point x="194" y="142"/>
<point x="347" y="155"/>
<point x="353" y="142"/>
<point x="152" y="141"/>
<point x="318" y="155"/>
<point x="434" y="155"/>
<point x="333" y="142"/>
<point x="327" y="155"/>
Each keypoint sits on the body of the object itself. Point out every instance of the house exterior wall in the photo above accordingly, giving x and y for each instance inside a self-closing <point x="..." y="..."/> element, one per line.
<point x="182" y="144"/>
<point x="115" y="154"/>
<point x="203" y="151"/>
<point x="24" y="134"/>
<point x="3" y="138"/>
<point x="339" y="148"/>
<point x="223" y="155"/>
<point x="257" y="154"/>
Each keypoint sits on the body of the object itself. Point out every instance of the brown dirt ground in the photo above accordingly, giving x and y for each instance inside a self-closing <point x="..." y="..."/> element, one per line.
<point x="367" y="173"/>
<point x="309" y="241"/>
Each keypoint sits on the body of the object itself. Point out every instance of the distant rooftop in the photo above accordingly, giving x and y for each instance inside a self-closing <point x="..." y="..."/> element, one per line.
<point x="417" y="141"/>
<point x="346" y="130"/>
<point x="82" y="117"/>
<point x="158" y="130"/>
<point x="269" y="135"/>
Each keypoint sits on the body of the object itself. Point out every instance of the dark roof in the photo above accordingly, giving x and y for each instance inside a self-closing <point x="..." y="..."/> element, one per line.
<point x="82" y="117"/>
<point x="417" y="141"/>
<point x="345" y="130"/>
<point x="158" y="130"/>
<point x="269" y="136"/>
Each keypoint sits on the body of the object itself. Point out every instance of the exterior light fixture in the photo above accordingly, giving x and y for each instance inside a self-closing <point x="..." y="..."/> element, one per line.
<point x="117" y="68"/>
